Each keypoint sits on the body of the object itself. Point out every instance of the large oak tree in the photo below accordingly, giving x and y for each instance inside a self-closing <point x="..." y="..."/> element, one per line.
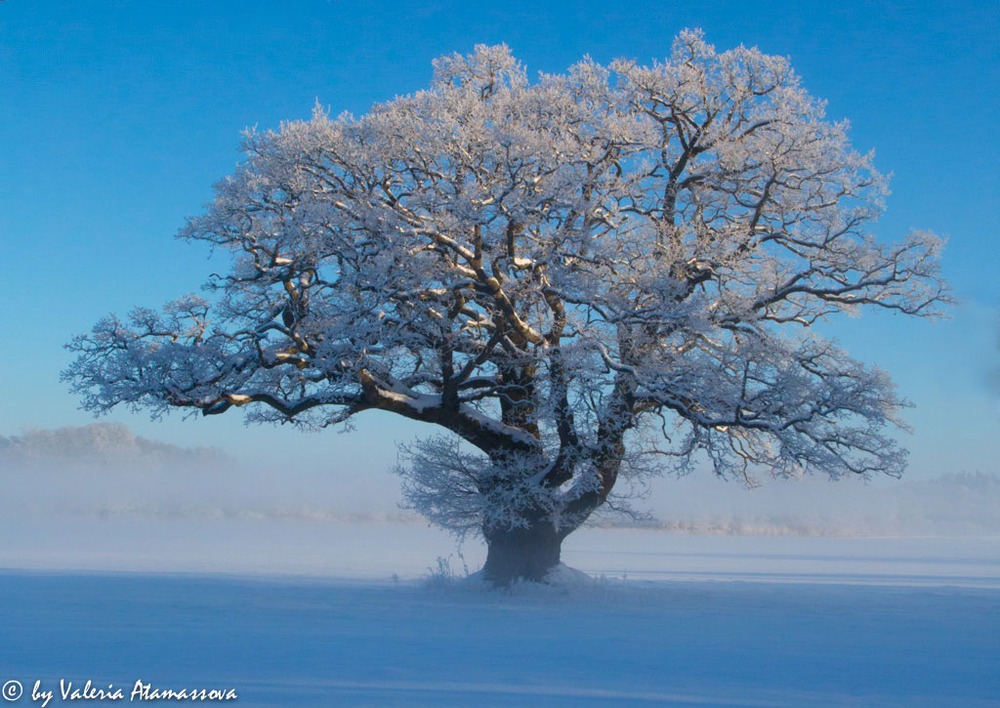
<point x="564" y="276"/>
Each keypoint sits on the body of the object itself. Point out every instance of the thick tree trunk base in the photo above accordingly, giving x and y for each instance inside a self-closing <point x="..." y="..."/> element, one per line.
<point x="521" y="554"/>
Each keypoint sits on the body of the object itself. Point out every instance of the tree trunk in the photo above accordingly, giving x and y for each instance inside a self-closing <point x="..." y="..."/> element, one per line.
<point x="522" y="553"/>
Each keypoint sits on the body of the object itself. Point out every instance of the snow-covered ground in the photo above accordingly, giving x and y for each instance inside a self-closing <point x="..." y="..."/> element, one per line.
<point x="188" y="579"/>
<point x="296" y="641"/>
<point x="324" y="613"/>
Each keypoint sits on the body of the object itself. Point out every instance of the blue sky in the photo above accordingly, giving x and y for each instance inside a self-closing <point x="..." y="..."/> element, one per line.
<point x="117" y="117"/>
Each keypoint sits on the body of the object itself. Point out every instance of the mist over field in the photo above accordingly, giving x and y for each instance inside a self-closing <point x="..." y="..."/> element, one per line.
<point x="104" y="471"/>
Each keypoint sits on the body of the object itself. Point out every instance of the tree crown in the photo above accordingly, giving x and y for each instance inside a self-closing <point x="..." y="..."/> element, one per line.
<point x="561" y="273"/>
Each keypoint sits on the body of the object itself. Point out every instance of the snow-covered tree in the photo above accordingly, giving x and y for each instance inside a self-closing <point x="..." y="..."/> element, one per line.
<point x="568" y="277"/>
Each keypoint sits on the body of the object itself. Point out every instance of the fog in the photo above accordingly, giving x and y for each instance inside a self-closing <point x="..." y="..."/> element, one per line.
<point x="105" y="471"/>
<point x="952" y="504"/>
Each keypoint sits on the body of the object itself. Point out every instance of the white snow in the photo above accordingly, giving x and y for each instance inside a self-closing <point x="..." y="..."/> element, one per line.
<point x="698" y="621"/>
<point x="299" y="611"/>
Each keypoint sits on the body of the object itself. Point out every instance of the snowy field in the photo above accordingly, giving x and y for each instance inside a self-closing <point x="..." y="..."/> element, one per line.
<point x="185" y="580"/>
<point x="667" y="619"/>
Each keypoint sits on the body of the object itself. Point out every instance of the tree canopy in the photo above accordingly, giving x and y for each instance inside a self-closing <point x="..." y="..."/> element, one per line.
<point x="566" y="276"/>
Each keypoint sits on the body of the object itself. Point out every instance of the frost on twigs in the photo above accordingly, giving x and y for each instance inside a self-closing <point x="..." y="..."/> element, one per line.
<point x="569" y="277"/>
<point x="466" y="492"/>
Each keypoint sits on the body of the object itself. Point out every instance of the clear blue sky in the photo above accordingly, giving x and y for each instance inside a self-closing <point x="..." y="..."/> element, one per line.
<point x="117" y="117"/>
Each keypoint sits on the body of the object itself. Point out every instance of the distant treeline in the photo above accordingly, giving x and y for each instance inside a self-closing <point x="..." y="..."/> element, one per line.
<point x="98" y="443"/>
